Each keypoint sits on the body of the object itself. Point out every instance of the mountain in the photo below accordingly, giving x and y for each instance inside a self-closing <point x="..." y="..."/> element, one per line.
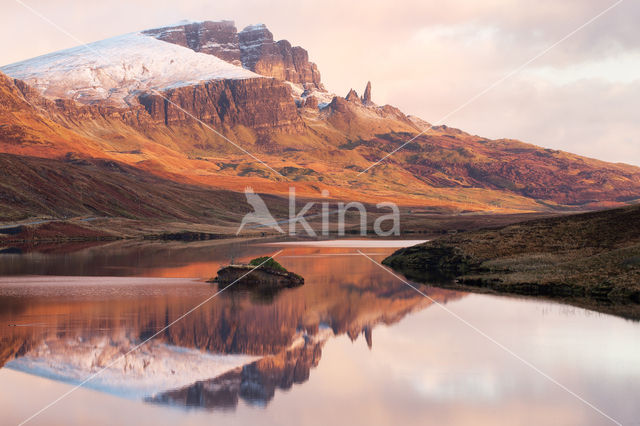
<point x="112" y="70"/>
<point x="235" y="329"/>
<point x="186" y="103"/>
<point x="253" y="48"/>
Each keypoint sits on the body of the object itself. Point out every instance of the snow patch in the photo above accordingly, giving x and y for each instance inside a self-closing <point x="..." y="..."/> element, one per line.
<point x="300" y="94"/>
<point x="254" y="27"/>
<point x="154" y="368"/>
<point x="116" y="70"/>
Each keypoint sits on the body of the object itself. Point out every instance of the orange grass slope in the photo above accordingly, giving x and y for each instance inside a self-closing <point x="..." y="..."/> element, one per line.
<point x="312" y="149"/>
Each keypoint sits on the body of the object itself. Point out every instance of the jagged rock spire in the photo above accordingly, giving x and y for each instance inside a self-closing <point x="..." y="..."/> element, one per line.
<point x="368" y="335"/>
<point x="352" y="96"/>
<point x="366" y="98"/>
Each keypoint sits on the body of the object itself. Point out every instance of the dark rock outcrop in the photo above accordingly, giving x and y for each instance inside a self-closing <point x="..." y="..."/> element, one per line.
<point x="352" y="96"/>
<point x="338" y="104"/>
<point x="253" y="48"/>
<point x="255" y="383"/>
<point x="263" y="277"/>
<point x="260" y="103"/>
<point x="366" y="98"/>
<point x="311" y="102"/>
<point x="440" y="264"/>
<point x="279" y="59"/>
<point x="215" y="38"/>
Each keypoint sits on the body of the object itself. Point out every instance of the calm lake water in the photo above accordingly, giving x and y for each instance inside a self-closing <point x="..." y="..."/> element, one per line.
<point x="354" y="345"/>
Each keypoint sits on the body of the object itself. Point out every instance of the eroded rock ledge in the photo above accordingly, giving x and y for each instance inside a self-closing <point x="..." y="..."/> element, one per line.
<point x="253" y="48"/>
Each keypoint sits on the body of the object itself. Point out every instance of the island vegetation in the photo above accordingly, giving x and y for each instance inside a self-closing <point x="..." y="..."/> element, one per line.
<point x="260" y="274"/>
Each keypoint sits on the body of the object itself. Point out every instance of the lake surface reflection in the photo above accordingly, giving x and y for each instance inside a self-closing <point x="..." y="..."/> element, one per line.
<point x="352" y="346"/>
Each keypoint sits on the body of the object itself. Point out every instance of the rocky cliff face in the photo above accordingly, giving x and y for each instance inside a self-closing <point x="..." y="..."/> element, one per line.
<point x="254" y="48"/>
<point x="214" y="38"/>
<point x="262" y="104"/>
<point x="255" y="383"/>
<point x="352" y="96"/>
<point x="279" y="59"/>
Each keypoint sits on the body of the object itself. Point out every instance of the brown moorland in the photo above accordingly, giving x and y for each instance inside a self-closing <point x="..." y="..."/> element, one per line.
<point x="590" y="259"/>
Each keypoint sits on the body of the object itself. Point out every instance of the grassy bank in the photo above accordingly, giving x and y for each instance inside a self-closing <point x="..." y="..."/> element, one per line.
<point x="590" y="259"/>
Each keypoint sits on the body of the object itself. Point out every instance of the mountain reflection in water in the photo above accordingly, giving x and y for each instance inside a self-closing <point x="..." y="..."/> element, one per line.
<point x="273" y="343"/>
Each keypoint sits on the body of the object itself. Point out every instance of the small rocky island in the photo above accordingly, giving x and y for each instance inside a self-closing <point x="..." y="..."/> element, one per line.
<point x="269" y="275"/>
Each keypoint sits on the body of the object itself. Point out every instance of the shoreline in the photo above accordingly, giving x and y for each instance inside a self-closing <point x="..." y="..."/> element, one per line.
<point x="589" y="260"/>
<point x="628" y="310"/>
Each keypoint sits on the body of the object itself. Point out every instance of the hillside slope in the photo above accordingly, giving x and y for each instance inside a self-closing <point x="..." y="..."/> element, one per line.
<point x="592" y="258"/>
<point x="72" y="187"/>
<point x="198" y="130"/>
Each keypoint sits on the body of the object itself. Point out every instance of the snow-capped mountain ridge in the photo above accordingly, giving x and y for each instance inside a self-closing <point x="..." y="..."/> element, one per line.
<point x="155" y="368"/>
<point x="117" y="69"/>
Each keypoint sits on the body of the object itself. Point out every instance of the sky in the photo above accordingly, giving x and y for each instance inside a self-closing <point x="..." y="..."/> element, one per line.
<point x="430" y="58"/>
